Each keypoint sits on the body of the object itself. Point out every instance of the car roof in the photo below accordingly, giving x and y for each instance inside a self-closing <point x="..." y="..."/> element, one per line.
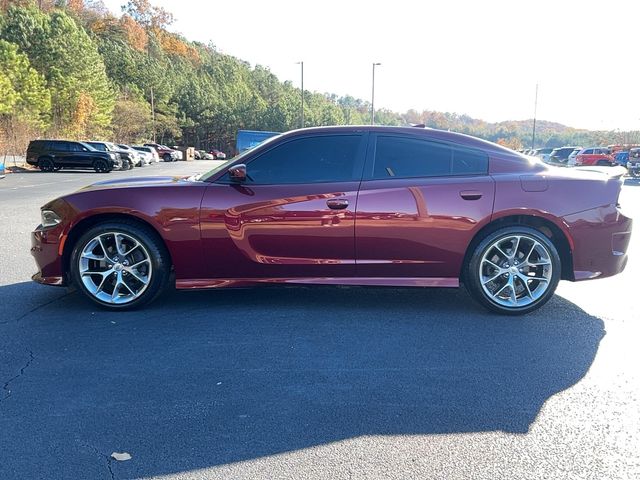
<point x="429" y="133"/>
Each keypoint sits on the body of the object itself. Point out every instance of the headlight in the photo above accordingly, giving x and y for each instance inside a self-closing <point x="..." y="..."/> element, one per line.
<point x="49" y="218"/>
<point x="113" y="156"/>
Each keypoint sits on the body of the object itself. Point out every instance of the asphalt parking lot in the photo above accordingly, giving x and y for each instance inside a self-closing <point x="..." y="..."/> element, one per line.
<point x="322" y="382"/>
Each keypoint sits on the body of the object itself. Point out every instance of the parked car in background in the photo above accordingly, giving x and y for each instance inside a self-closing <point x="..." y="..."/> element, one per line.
<point x="128" y="160"/>
<point x="285" y="212"/>
<point x="178" y="153"/>
<point x="633" y="163"/>
<point x="217" y="154"/>
<point x="206" y="155"/>
<point x="621" y="158"/>
<point x="560" y="155"/>
<point x="53" y="155"/>
<point x="542" y="153"/>
<point x="150" y="150"/>
<point x="2" y="174"/>
<point x="571" y="160"/>
<point x="594" y="156"/>
<point x="141" y="159"/>
<point x="165" y="153"/>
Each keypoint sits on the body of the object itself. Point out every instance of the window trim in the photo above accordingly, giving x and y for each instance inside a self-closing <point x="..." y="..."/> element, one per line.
<point x="358" y="164"/>
<point x="371" y="155"/>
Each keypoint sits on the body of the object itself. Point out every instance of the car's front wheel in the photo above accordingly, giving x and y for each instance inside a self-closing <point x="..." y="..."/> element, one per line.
<point x="120" y="265"/>
<point x="513" y="271"/>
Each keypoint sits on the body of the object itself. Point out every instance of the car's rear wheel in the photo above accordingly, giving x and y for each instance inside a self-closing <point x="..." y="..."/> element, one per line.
<point x="120" y="265"/>
<point x="46" y="164"/>
<point x="167" y="157"/>
<point x="513" y="271"/>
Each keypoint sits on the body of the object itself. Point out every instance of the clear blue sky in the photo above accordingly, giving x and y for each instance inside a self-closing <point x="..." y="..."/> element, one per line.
<point x="479" y="58"/>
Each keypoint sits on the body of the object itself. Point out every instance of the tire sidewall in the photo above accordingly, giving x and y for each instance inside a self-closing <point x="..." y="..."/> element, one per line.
<point x="46" y="164"/>
<point x="157" y="254"/>
<point x="473" y="283"/>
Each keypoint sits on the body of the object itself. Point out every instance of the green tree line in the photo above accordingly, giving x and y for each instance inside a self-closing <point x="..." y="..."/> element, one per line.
<point x="71" y="69"/>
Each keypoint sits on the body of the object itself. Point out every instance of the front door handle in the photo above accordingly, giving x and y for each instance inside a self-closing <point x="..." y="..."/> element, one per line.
<point x="337" y="203"/>
<point x="471" y="194"/>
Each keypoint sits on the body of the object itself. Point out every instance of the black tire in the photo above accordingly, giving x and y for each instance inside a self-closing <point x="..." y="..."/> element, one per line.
<point x="152" y="246"/>
<point x="472" y="273"/>
<point x="167" y="157"/>
<point x="634" y="172"/>
<point x="57" y="168"/>
<point x="100" y="166"/>
<point x="46" y="164"/>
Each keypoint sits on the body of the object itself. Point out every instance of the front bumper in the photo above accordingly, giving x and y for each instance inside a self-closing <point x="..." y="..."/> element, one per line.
<point x="46" y="247"/>
<point x="600" y="239"/>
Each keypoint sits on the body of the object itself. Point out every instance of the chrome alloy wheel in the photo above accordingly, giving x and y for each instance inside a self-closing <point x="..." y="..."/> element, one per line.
<point x="115" y="268"/>
<point x="515" y="270"/>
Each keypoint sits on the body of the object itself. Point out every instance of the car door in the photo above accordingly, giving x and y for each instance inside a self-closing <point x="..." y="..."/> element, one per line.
<point x="420" y="203"/>
<point x="61" y="151"/>
<point x="294" y="216"/>
<point x="78" y="156"/>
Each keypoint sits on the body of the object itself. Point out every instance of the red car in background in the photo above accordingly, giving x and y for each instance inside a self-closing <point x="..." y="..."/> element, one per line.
<point x="165" y="153"/>
<point x="217" y="154"/>
<point x="595" y="156"/>
<point x="390" y="206"/>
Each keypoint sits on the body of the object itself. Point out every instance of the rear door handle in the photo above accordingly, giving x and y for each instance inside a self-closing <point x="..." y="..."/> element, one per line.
<point x="471" y="194"/>
<point x="337" y="203"/>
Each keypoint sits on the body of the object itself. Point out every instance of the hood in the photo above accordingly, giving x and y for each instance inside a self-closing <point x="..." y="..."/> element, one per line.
<point x="139" y="182"/>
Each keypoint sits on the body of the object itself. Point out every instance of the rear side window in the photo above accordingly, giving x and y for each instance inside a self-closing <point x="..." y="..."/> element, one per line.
<point x="60" y="146"/>
<point x="588" y="151"/>
<point x="410" y="157"/>
<point x="330" y="158"/>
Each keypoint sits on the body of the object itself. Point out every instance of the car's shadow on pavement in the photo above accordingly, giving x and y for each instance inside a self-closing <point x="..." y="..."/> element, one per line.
<point x="201" y="379"/>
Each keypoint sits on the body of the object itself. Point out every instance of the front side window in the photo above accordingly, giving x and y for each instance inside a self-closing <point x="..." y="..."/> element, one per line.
<point x="411" y="157"/>
<point x="330" y="158"/>
<point x="99" y="146"/>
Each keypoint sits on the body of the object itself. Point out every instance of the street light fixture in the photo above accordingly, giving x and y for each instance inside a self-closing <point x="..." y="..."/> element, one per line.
<point x="373" y="91"/>
<point x="301" y="63"/>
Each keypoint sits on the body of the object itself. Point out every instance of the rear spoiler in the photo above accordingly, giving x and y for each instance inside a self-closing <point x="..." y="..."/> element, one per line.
<point x="612" y="172"/>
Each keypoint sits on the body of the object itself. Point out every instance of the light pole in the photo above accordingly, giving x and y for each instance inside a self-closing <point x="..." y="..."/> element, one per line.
<point x="535" y="113"/>
<point x="373" y="91"/>
<point x="301" y="63"/>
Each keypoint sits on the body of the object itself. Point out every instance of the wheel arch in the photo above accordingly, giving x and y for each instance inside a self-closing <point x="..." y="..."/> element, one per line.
<point x="86" y="223"/>
<point x="545" y="226"/>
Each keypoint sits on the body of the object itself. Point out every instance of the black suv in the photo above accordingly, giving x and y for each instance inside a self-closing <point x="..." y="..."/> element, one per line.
<point x="127" y="157"/>
<point x="561" y="155"/>
<point x="52" y="155"/>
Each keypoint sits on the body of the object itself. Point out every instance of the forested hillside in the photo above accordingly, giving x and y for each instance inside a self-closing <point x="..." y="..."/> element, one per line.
<point x="72" y="69"/>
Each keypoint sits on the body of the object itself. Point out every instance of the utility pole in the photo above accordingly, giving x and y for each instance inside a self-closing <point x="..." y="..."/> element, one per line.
<point x="535" y="113"/>
<point x="373" y="92"/>
<point x="301" y="63"/>
<point x="153" y="116"/>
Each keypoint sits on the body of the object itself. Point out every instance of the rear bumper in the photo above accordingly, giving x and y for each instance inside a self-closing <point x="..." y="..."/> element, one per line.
<point x="600" y="238"/>
<point x="46" y="248"/>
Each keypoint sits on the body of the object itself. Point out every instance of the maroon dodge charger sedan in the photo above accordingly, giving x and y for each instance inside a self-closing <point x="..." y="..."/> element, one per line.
<point x="342" y="205"/>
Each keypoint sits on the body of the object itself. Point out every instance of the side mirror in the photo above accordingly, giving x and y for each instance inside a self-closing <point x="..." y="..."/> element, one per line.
<point x="238" y="173"/>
